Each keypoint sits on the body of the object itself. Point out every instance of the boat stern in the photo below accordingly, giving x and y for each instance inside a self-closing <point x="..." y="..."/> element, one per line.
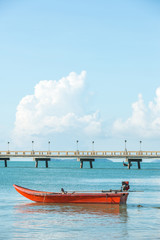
<point x="124" y="196"/>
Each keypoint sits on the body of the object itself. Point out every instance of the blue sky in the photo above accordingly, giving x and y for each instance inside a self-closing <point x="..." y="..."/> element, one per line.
<point x="86" y="70"/>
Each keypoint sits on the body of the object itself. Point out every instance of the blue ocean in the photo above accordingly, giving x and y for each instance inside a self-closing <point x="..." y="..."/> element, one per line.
<point x="22" y="219"/>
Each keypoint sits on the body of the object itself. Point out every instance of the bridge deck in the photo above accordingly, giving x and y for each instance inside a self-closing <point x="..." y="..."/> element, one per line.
<point x="80" y="154"/>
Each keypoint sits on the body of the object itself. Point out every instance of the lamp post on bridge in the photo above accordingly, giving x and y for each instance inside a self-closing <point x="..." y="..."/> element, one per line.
<point x="125" y="145"/>
<point x="8" y="146"/>
<point x="140" y="145"/>
<point x="49" y="146"/>
<point x="93" y="146"/>
<point x="77" y="145"/>
<point x="33" y="146"/>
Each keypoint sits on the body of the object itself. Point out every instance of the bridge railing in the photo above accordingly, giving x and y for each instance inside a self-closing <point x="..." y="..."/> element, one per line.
<point x="81" y="154"/>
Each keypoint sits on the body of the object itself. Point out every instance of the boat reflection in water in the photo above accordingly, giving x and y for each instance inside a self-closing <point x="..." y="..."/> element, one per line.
<point x="68" y="221"/>
<point x="95" y="209"/>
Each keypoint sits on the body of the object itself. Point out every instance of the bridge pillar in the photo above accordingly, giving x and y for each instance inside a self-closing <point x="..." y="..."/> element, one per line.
<point x="41" y="159"/>
<point x="46" y="164"/>
<point x="5" y="161"/>
<point x="91" y="165"/>
<point x="36" y="165"/>
<point x="90" y="160"/>
<point x="130" y="160"/>
<point x="129" y="164"/>
<point x="81" y="164"/>
<point x="139" y="166"/>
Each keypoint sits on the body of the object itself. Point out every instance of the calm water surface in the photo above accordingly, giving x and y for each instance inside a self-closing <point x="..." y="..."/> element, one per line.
<point x="22" y="219"/>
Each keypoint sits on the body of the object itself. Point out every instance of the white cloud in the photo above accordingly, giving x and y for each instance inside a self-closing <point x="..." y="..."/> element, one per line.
<point x="56" y="106"/>
<point x="144" y="121"/>
<point x="155" y="107"/>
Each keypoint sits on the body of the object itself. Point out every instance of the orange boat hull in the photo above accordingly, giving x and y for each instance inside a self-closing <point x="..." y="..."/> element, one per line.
<point x="51" y="197"/>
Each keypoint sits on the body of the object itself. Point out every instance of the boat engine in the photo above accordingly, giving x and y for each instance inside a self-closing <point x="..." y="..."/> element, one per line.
<point x="125" y="186"/>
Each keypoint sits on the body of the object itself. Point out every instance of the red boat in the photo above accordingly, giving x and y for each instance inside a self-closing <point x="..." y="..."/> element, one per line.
<point x="107" y="197"/>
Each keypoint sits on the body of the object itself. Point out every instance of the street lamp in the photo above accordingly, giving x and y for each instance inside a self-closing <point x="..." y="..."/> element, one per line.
<point x="92" y="145"/>
<point x="32" y="145"/>
<point x="8" y="146"/>
<point x="125" y="145"/>
<point x="140" y="144"/>
<point x="48" y="146"/>
<point x="77" y="145"/>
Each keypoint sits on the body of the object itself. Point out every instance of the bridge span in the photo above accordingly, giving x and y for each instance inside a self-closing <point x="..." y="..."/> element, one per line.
<point x="90" y="156"/>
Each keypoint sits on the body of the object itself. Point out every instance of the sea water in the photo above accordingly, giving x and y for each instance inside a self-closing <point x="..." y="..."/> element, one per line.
<point x="22" y="219"/>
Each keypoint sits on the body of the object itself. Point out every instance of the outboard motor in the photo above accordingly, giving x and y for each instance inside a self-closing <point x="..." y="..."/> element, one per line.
<point x="125" y="186"/>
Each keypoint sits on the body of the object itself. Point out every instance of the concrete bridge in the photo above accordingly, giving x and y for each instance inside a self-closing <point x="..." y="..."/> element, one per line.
<point x="82" y="156"/>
